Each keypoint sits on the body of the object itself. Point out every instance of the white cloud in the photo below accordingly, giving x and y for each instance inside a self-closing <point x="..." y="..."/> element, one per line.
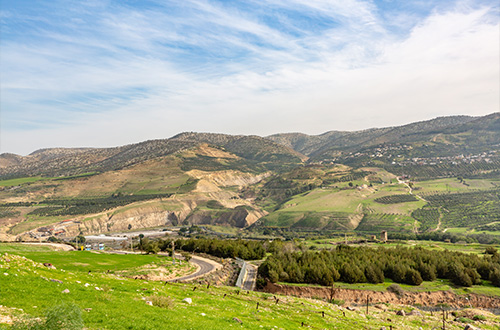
<point x="123" y="81"/>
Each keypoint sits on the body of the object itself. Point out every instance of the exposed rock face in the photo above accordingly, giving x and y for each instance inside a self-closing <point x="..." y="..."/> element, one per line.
<point x="143" y="217"/>
<point x="228" y="178"/>
<point x="238" y="217"/>
<point x="410" y="298"/>
<point x="153" y="214"/>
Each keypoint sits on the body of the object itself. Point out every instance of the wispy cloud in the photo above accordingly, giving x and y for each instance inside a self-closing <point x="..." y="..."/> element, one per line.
<point x="106" y="73"/>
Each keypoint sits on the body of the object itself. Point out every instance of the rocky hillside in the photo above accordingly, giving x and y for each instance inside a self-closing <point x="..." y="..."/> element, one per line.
<point x="257" y="153"/>
<point x="319" y="145"/>
<point x="330" y="181"/>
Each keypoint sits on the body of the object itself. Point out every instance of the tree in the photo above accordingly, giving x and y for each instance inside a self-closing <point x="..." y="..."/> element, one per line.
<point x="495" y="277"/>
<point x="459" y="276"/>
<point x="413" y="277"/>
<point x="374" y="274"/>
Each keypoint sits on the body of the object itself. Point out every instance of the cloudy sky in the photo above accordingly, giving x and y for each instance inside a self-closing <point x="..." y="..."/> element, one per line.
<point x="112" y="72"/>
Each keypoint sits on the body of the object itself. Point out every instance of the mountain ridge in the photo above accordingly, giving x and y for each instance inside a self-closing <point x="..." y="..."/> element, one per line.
<point x="272" y="151"/>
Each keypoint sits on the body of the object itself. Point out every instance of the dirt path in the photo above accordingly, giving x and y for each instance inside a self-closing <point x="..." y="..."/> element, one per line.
<point x="57" y="246"/>
<point x="439" y="220"/>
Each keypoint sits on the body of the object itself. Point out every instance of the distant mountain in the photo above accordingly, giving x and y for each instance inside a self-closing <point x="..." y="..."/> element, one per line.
<point x="326" y="143"/>
<point x="443" y="136"/>
<point x="71" y="161"/>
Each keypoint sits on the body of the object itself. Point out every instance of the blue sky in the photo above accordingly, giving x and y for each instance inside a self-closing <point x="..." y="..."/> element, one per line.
<point x="106" y="73"/>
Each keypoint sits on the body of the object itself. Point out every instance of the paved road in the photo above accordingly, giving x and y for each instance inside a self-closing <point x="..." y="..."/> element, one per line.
<point x="206" y="266"/>
<point x="251" y="276"/>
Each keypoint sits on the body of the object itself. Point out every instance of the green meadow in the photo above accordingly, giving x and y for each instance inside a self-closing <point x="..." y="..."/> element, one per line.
<point x="110" y="301"/>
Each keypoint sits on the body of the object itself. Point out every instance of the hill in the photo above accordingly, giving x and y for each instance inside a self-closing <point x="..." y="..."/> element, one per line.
<point x="392" y="178"/>
<point x="73" y="161"/>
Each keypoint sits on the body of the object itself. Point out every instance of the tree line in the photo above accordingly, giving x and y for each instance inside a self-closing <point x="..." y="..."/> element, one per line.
<point x="369" y="265"/>
<point x="244" y="249"/>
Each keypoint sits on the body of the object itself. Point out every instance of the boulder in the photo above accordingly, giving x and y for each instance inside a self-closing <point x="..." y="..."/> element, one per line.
<point x="415" y="312"/>
<point x="470" y="327"/>
<point x="381" y="307"/>
<point x="65" y="291"/>
<point x="401" y="313"/>
<point x="189" y="301"/>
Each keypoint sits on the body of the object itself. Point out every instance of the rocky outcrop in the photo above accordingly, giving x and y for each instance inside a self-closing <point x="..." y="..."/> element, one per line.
<point x="228" y="178"/>
<point x="239" y="217"/>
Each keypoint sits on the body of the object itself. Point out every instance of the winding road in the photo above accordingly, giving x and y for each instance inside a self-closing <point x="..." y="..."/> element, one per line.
<point x="206" y="266"/>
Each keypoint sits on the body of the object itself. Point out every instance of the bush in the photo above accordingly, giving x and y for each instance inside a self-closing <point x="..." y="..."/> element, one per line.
<point x="396" y="289"/>
<point x="491" y="250"/>
<point x="64" y="317"/>
<point x="260" y="283"/>
<point x="161" y="301"/>
<point x="339" y="302"/>
<point x="60" y="317"/>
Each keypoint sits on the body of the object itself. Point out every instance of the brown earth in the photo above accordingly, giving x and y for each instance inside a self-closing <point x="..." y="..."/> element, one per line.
<point x="409" y="298"/>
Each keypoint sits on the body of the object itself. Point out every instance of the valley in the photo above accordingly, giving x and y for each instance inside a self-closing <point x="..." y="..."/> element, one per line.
<point x="353" y="212"/>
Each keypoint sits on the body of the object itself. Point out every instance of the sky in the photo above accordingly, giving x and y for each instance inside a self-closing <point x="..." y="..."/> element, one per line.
<point x="99" y="73"/>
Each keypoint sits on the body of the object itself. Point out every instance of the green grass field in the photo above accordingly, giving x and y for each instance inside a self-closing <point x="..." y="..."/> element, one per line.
<point x="108" y="301"/>
<point x="20" y="181"/>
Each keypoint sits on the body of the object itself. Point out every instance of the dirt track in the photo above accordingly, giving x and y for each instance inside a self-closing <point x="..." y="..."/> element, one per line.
<point x="57" y="246"/>
<point x="410" y="298"/>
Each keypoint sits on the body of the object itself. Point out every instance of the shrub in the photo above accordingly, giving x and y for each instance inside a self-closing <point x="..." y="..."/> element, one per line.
<point x="64" y="316"/>
<point x="491" y="250"/>
<point x="260" y="283"/>
<point x="339" y="302"/>
<point x="161" y="301"/>
<point x="60" y="317"/>
<point x="28" y="324"/>
<point x="396" y="289"/>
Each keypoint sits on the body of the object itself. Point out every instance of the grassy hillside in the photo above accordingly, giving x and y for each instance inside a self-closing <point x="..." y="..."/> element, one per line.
<point x="122" y="303"/>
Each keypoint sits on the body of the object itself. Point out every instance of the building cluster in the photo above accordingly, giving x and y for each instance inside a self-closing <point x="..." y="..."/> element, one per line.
<point x="397" y="154"/>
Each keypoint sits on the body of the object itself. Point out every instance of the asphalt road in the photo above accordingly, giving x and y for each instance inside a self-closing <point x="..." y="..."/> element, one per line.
<point x="251" y="276"/>
<point x="206" y="267"/>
